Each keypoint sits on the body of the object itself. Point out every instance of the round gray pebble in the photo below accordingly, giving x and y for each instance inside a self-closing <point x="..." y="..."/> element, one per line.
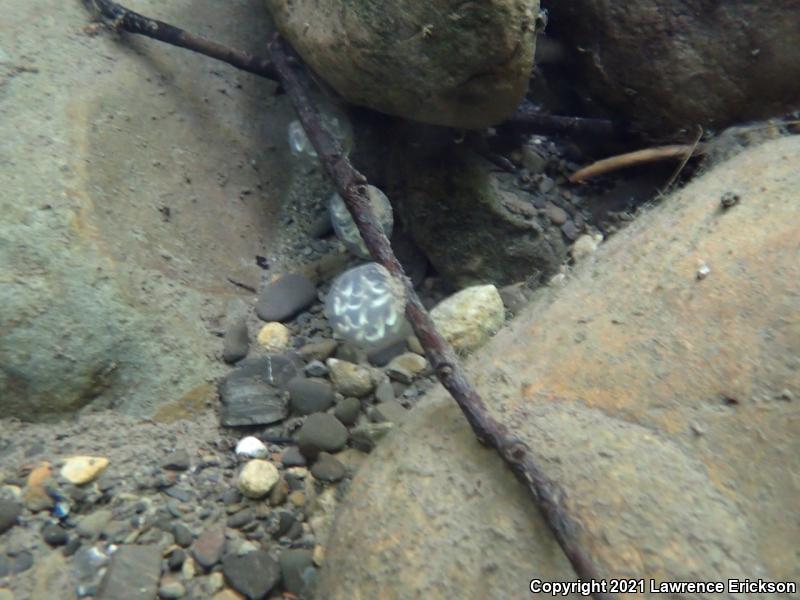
<point x="321" y="433"/>
<point x="347" y="410"/>
<point x="284" y="298"/>
<point x="310" y="395"/>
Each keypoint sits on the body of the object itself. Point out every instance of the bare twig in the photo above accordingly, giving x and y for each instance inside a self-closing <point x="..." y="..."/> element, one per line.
<point x="529" y="120"/>
<point x="132" y="22"/>
<point x="630" y="159"/>
<point x="682" y="165"/>
<point x="352" y="187"/>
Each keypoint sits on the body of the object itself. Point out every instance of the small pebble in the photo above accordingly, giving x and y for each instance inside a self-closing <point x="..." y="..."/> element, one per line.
<point x="251" y="447"/>
<point x="257" y="478"/>
<point x="321" y="432"/>
<point x="182" y="534"/>
<point x="406" y="367"/>
<point x="327" y="468"/>
<point x="310" y="395"/>
<point x="350" y="379"/>
<point x="207" y="549"/>
<point x="171" y="588"/>
<point x="293" y="565"/>
<point x="236" y="341"/>
<point x="316" y="368"/>
<point x="80" y="470"/>
<point x="178" y="460"/>
<point x="292" y="457"/>
<point x="54" y="534"/>
<point x="274" y="337"/>
<point x="9" y="514"/>
<point x="253" y="574"/>
<point x="347" y="410"/>
<point x="285" y="297"/>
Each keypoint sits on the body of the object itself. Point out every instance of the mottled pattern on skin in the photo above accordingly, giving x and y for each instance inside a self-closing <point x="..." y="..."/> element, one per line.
<point x="365" y="305"/>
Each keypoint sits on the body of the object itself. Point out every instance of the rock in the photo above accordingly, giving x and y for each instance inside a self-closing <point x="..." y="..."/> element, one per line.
<point x="713" y="69"/>
<point x="54" y="535"/>
<point x="176" y="559"/>
<point x="274" y="337"/>
<point x="171" y="588"/>
<point x="183" y="535"/>
<point x="257" y="478"/>
<point x="468" y="318"/>
<point x="315" y="368"/>
<point x="391" y="411"/>
<point x="284" y="298"/>
<point x="251" y="447"/>
<point x="585" y="246"/>
<point x="178" y="460"/>
<point x="320" y="350"/>
<point x="80" y="470"/>
<point x="236" y="341"/>
<point x="9" y="514"/>
<point x="382" y="355"/>
<point x="36" y="496"/>
<point x="350" y="379"/>
<point x="240" y="519"/>
<point x="92" y="525"/>
<point x="327" y="468"/>
<point x="617" y="394"/>
<point x="292" y="457"/>
<point x="133" y="574"/>
<point x="310" y="395"/>
<point x="207" y="548"/>
<point x="385" y="391"/>
<point x="249" y="398"/>
<point x="52" y="579"/>
<point x="253" y="574"/>
<point x="406" y="367"/>
<point x="347" y="410"/>
<point x="462" y="66"/>
<point x="457" y="209"/>
<point x="294" y="564"/>
<point x="366" y="437"/>
<point x="321" y="432"/>
<point x="279" y="493"/>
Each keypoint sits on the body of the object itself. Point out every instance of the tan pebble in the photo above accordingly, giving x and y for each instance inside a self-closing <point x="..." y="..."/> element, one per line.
<point x="257" y="478"/>
<point x="189" y="568"/>
<point x="228" y="594"/>
<point x="318" y="555"/>
<point x="414" y="345"/>
<point x="297" y="498"/>
<point x="36" y="496"/>
<point x="80" y="470"/>
<point x="216" y="581"/>
<point x="274" y="337"/>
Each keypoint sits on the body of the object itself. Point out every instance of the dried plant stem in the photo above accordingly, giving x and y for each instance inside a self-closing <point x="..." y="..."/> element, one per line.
<point x="631" y="159"/>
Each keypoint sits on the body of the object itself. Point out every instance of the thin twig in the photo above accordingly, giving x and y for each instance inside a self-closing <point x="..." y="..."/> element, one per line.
<point x="132" y="22"/>
<point x="352" y="187"/>
<point x="630" y="159"/>
<point x="683" y="162"/>
<point x="529" y="120"/>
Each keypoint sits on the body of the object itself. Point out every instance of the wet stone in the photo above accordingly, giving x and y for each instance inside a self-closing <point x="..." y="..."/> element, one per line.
<point x="292" y="457"/>
<point x="327" y="468"/>
<point x="286" y="297"/>
<point x="54" y="534"/>
<point x="9" y="513"/>
<point x="321" y="432"/>
<point x="253" y="574"/>
<point x="366" y="437"/>
<point x="294" y="564"/>
<point x="310" y="395"/>
<point x="178" y="460"/>
<point x="176" y="559"/>
<point x="347" y="410"/>
<point x="236" y="341"/>
<point x="241" y="518"/>
<point x="207" y="549"/>
<point x="133" y="574"/>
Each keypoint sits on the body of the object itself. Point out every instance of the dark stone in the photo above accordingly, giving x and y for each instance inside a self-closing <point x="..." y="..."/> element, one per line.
<point x="316" y="368"/>
<point x="286" y="297"/>
<point x="182" y="534"/>
<point x="348" y="409"/>
<point x="240" y="519"/>
<point x="230" y="496"/>
<point x="321" y="432"/>
<point x="181" y="493"/>
<point x="285" y="522"/>
<point x="178" y="460"/>
<point x="207" y="549"/>
<point x="72" y="546"/>
<point x="54" y="534"/>
<point x="293" y="565"/>
<point x="236" y="341"/>
<point x="318" y="350"/>
<point x="9" y="513"/>
<point x="292" y="457"/>
<point x="133" y="574"/>
<point x="310" y="395"/>
<point x="327" y="468"/>
<point x="385" y="391"/>
<point x="176" y="559"/>
<point x="253" y="574"/>
<point x="382" y="355"/>
<point x="570" y="230"/>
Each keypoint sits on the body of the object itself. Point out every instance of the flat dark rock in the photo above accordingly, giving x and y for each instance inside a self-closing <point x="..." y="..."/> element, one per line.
<point x="253" y="574"/>
<point x="236" y="342"/>
<point x="284" y="298"/>
<point x="294" y="564"/>
<point x="133" y="574"/>
<point x="310" y="395"/>
<point x="321" y="432"/>
<point x="328" y="468"/>
<point x="9" y="513"/>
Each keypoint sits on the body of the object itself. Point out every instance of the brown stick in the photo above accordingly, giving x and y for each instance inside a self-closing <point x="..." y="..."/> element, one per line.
<point x="630" y="159"/>
<point x="132" y="22"/>
<point x="527" y="119"/>
<point x="352" y="187"/>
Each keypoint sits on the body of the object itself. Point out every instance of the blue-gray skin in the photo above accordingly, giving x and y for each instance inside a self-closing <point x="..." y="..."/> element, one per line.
<point x="345" y="228"/>
<point x="366" y="305"/>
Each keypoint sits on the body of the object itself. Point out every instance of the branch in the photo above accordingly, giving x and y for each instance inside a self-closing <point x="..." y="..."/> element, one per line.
<point x="631" y="159"/>
<point x="529" y="120"/>
<point x="123" y="19"/>
<point x="352" y="187"/>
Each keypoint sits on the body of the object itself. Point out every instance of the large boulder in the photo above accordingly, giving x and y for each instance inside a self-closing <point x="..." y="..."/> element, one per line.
<point x="661" y="395"/>
<point x="121" y="217"/>
<point x="461" y="64"/>
<point x="667" y="65"/>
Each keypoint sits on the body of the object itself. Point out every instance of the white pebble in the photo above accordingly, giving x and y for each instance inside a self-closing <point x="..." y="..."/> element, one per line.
<point x="257" y="478"/>
<point x="251" y="447"/>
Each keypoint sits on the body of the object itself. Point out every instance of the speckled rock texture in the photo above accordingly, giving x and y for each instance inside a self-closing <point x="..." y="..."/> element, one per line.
<point x="664" y="404"/>
<point x="668" y="65"/>
<point x="462" y="64"/>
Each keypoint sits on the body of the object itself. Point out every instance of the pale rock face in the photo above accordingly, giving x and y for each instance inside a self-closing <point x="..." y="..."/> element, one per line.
<point x="79" y="470"/>
<point x="274" y="337"/>
<point x="464" y="64"/>
<point x="257" y="478"/>
<point x="468" y="318"/>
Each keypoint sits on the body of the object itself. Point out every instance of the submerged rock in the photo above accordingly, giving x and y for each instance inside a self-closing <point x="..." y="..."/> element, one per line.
<point x="463" y="64"/>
